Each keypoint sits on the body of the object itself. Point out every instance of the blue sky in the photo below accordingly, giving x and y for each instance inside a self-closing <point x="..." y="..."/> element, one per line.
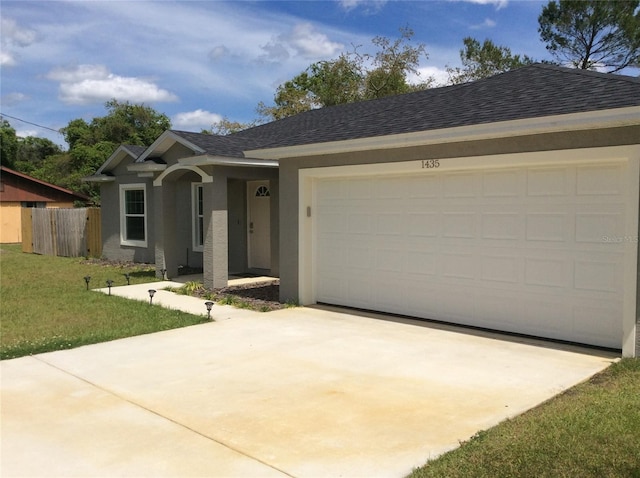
<point x="200" y="61"/>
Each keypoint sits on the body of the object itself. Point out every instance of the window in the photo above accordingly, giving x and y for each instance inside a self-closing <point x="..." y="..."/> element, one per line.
<point x="133" y="215"/>
<point x="198" y="217"/>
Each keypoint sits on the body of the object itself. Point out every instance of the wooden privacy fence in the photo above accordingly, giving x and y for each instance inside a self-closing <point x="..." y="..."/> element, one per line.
<point x="62" y="232"/>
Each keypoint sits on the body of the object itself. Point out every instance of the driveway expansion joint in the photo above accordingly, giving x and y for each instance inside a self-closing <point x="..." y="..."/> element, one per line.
<point x="157" y="414"/>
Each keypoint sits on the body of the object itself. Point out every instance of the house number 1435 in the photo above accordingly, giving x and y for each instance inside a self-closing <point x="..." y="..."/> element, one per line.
<point x="430" y="163"/>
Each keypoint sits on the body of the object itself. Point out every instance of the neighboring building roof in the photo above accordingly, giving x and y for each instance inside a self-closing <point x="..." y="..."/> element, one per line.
<point x="18" y="187"/>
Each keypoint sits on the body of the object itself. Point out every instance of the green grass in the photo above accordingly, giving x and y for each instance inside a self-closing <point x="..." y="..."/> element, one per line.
<point x="44" y="304"/>
<point x="590" y="431"/>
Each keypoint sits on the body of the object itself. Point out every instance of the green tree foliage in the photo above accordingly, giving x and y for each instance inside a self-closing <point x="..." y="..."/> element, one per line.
<point x="8" y="144"/>
<point x="32" y="152"/>
<point x="484" y="60"/>
<point x="351" y="77"/>
<point x="225" y="127"/>
<point x="592" y="34"/>
<point x="90" y="144"/>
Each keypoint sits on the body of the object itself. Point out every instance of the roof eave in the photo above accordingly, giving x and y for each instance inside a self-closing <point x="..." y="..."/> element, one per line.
<point x="214" y="160"/>
<point x="530" y="126"/>
<point x="164" y="142"/>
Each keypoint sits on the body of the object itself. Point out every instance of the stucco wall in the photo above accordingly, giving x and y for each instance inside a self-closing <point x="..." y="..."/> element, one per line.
<point x="112" y="249"/>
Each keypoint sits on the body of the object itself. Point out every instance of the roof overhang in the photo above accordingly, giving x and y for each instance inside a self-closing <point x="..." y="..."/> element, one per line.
<point x="121" y="153"/>
<point x="165" y="141"/>
<point x="210" y="160"/>
<point x="531" y="126"/>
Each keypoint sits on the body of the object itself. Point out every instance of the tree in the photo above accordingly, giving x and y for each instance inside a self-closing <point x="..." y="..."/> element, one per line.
<point x="90" y="144"/>
<point x="8" y="144"/>
<point x="351" y="77"/>
<point x="483" y="61"/>
<point x="591" y="34"/>
<point x="32" y="152"/>
<point x="225" y="127"/>
<point x="392" y="64"/>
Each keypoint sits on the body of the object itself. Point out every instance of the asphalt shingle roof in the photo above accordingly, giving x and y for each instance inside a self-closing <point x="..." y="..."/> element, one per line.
<point x="529" y="92"/>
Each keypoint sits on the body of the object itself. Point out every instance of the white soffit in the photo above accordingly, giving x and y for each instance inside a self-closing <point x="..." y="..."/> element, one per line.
<point x="547" y="124"/>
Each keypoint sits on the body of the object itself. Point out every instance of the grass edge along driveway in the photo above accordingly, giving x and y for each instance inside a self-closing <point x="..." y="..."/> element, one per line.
<point x="591" y="430"/>
<point x="45" y="304"/>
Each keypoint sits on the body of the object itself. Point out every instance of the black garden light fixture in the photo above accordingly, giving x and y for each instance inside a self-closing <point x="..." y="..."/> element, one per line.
<point x="208" y="304"/>
<point x="152" y="292"/>
<point x="126" y="276"/>
<point x="109" y="284"/>
<point x="87" y="279"/>
<point x="163" y="272"/>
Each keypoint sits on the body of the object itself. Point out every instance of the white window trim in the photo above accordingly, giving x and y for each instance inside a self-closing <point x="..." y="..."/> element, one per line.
<point x="123" y="222"/>
<point x="195" y="216"/>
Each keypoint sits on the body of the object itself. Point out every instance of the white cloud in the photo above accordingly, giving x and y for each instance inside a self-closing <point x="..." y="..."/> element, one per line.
<point x="488" y="23"/>
<point x="304" y="41"/>
<point x="12" y="37"/>
<point x="24" y="133"/>
<point x="497" y="3"/>
<point x="12" y="34"/>
<point x="310" y="43"/>
<point x="196" y="120"/>
<point x="370" y="6"/>
<point x="6" y="59"/>
<point x="12" y="99"/>
<point x="218" y="52"/>
<point x="439" y="75"/>
<point x="94" y="83"/>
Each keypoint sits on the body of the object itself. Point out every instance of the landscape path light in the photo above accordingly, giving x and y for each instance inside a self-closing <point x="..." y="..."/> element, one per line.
<point x="109" y="284"/>
<point x="126" y="276"/>
<point x="152" y="292"/>
<point x="87" y="279"/>
<point x="163" y="272"/>
<point x="208" y="304"/>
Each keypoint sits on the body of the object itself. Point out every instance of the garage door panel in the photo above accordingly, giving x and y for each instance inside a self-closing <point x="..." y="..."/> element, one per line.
<point x="599" y="180"/>
<point x="546" y="182"/>
<point x="528" y="250"/>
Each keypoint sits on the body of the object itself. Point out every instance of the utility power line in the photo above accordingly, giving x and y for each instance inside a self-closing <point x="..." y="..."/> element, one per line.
<point x="32" y="124"/>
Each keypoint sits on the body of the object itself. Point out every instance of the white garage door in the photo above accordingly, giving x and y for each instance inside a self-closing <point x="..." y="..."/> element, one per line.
<point x="537" y="250"/>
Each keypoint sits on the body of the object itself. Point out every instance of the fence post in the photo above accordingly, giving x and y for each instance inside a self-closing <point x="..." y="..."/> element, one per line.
<point x="26" y="223"/>
<point x="94" y="232"/>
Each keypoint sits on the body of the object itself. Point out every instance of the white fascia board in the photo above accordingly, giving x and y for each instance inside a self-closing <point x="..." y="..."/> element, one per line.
<point x="209" y="160"/>
<point x="546" y="124"/>
<point x="165" y="141"/>
<point x="112" y="161"/>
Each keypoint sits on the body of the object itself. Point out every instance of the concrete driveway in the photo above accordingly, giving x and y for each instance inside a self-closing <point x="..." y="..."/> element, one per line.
<point x="300" y="392"/>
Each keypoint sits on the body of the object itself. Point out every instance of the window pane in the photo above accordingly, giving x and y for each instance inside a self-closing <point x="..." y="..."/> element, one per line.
<point x="135" y="228"/>
<point x="200" y="208"/>
<point x="134" y="201"/>
<point x="200" y="231"/>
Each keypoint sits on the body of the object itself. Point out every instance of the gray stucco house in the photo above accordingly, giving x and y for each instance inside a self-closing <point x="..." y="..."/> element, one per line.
<point x="510" y="203"/>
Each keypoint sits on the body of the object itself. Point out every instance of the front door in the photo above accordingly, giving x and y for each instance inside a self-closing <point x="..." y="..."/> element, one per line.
<point x="259" y="224"/>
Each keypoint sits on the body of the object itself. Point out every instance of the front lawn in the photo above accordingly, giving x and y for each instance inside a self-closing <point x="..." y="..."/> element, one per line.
<point x="44" y="304"/>
<point x="590" y="431"/>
